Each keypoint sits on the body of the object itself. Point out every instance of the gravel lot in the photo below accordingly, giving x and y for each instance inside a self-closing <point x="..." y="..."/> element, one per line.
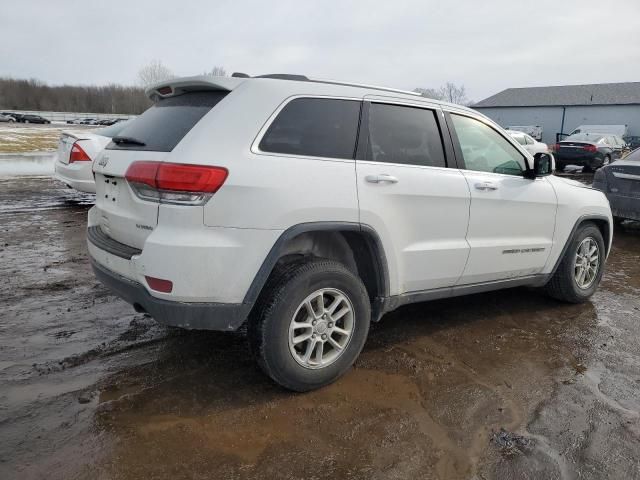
<point x="508" y="384"/>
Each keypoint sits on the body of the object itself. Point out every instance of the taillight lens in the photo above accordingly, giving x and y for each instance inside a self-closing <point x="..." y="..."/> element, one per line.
<point x="175" y="183"/>
<point x="590" y="148"/>
<point x="159" y="284"/>
<point x="77" y="154"/>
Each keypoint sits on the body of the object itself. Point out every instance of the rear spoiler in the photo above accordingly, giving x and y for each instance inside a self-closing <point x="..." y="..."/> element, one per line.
<point x="177" y="86"/>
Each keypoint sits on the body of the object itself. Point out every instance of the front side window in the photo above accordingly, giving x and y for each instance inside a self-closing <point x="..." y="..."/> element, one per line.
<point x="485" y="150"/>
<point x="314" y="127"/>
<point x="406" y="135"/>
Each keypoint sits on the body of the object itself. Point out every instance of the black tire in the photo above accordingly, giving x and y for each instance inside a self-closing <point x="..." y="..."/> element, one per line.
<point x="563" y="285"/>
<point x="588" y="168"/>
<point x="268" y="329"/>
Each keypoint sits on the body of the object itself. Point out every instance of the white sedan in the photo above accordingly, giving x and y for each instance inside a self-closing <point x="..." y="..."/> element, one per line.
<point x="76" y="152"/>
<point x="528" y="142"/>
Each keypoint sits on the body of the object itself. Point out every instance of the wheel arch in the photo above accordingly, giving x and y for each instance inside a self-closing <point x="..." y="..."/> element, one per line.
<point x="357" y="246"/>
<point x="603" y="224"/>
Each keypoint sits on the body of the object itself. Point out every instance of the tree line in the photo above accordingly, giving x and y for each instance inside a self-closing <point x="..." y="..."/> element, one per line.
<point x="32" y="94"/>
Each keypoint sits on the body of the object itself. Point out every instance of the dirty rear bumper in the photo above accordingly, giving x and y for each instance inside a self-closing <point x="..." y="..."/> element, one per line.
<point x="198" y="316"/>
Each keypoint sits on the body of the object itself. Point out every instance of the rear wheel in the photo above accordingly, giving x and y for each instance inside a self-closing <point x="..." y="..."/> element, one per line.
<point x="581" y="267"/>
<point x="310" y="323"/>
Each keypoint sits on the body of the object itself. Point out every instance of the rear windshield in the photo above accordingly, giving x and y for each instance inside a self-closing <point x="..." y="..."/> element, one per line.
<point x="584" y="137"/>
<point x="113" y="130"/>
<point x="163" y="125"/>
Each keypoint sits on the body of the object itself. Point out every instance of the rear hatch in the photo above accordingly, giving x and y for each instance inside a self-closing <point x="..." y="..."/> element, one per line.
<point x="122" y="214"/>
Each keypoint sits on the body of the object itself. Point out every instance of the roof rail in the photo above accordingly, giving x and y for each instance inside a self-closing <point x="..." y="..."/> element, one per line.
<point x="304" y="78"/>
<point x="284" y="76"/>
<point x="363" y="85"/>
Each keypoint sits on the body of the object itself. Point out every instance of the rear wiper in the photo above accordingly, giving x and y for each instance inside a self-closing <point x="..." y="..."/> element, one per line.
<point x="131" y="140"/>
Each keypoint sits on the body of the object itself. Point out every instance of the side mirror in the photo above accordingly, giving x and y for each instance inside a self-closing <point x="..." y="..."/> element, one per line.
<point x="543" y="164"/>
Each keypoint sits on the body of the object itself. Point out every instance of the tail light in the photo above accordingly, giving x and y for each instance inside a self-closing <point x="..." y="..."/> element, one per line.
<point x="175" y="183"/>
<point x="590" y="148"/>
<point x="77" y="154"/>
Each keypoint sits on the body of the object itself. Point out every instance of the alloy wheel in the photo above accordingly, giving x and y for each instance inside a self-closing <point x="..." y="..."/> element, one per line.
<point x="321" y="328"/>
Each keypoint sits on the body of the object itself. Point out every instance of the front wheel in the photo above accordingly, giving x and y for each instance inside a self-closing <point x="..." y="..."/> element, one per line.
<point x="581" y="267"/>
<point x="310" y="323"/>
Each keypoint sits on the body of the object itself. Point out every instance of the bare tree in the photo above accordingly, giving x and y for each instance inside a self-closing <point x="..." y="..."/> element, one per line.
<point x="429" y="93"/>
<point x="153" y="72"/>
<point x="450" y="92"/>
<point x="217" y="71"/>
<point x="454" y="93"/>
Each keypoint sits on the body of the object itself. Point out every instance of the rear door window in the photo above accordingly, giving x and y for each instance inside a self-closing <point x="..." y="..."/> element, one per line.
<point x="314" y="127"/>
<point x="165" y="124"/>
<point x="405" y="135"/>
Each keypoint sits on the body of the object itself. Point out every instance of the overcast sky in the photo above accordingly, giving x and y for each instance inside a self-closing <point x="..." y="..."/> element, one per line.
<point x="485" y="45"/>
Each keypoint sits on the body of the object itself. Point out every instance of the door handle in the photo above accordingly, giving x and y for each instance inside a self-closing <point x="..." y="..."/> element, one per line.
<point x="382" y="178"/>
<point x="486" y="186"/>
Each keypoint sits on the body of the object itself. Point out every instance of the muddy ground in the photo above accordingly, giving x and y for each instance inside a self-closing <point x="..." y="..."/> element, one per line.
<point x="508" y="384"/>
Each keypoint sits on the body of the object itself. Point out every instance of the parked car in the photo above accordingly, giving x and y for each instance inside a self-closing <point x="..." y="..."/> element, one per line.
<point x="621" y="184"/>
<point x="632" y="141"/>
<point x="529" y="143"/>
<point x="28" y="118"/>
<point x="619" y="130"/>
<point x="76" y="153"/>
<point x="588" y="150"/>
<point x="534" y="131"/>
<point x="16" y="116"/>
<point x="307" y="209"/>
<point x="6" y="118"/>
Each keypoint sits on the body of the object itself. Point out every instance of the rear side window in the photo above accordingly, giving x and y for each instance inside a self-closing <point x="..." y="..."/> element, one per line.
<point x="407" y="135"/>
<point x="163" y="125"/>
<point x="314" y="127"/>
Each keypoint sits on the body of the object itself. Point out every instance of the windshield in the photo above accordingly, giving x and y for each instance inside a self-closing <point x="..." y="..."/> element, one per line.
<point x="518" y="137"/>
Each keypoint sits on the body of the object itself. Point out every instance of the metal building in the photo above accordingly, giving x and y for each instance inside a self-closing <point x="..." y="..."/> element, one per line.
<point x="563" y="108"/>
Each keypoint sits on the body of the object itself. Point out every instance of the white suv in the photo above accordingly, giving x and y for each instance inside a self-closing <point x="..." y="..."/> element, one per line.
<point x="307" y="209"/>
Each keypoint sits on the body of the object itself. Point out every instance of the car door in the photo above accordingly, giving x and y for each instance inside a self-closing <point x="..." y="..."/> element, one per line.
<point x="418" y="206"/>
<point x="512" y="218"/>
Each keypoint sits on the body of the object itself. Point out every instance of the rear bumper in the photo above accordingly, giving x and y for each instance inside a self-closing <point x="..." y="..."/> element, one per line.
<point x="581" y="161"/>
<point x="76" y="175"/>
<point x="198" y="316"/>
